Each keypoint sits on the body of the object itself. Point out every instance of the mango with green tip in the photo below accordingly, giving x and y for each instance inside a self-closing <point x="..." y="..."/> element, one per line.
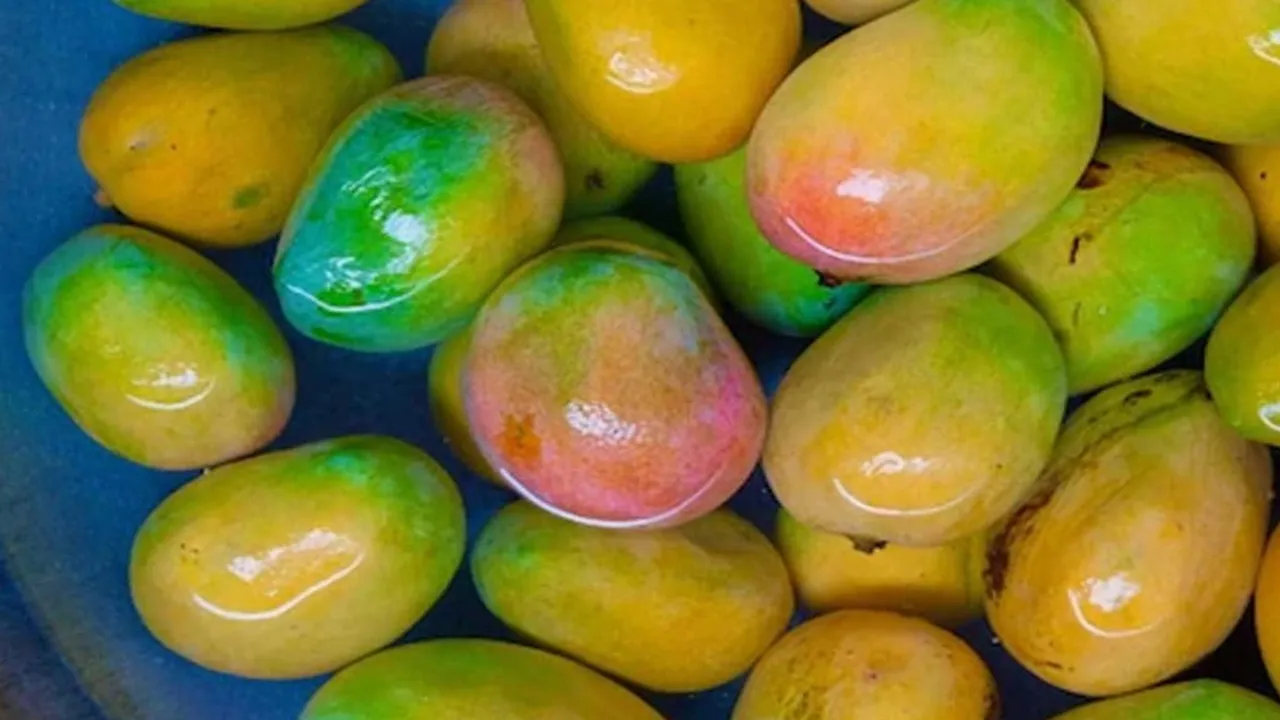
<point x="855" y="12"/>
<point x="395" y="242"/>
<point x="865" y="665"/>
<point x="1163" y="509"/>
<point x="1205" y="68"/>
<point x="1193" y="700"/>
<point x="1257" y="169"/>
<point x="928" y="141"/>
<point x="920" y="418"/>
<point x="210" y="138"/>
<point x="493" y="40"/>
<point x="603" y="387"/>
<point x="771" y="289"/>
<point x="831" y="572"/>
<point x="295" y="563"/>
<point x="677" y="610"/>
<point x="448" y="407"/>
<point x="154" y="351"/>
<point x="1140" y="261"/>
<point x="470" y="679"/>
<point x="636" y="233"/>
<point x="243" y="14"/>
<point x="673" y="80"/>
<point x="1242" y="361"/>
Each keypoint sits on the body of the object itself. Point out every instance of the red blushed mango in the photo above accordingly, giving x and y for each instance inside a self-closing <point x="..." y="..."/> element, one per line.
<point x="927" y="141"/>
<point x="602" y="386"/>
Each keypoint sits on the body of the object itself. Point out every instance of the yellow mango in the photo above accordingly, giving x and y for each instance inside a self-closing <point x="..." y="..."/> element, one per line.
<point x="855" y="12"/>
<point x="1257" y="169"/>
<point x="831" y="572"/>
<point x="210" y="139"/>
<point x="1267" y="611"/>
<point x="864" y="665"/>
<point x="243" y="14"/>
<point x="673" y="80"/>
<point x="1137" y="554"/>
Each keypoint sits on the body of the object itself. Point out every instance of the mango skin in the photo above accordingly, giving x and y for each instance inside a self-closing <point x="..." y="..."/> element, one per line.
<point x="864" y="665"/>
<point x="1164" y="509"/>
<point x="468" y="679"/>
<point x="1242" y="361"/>
<point x="493" y="40"/>
<point x="621" y="229"/>
<point x="941" y="584"/>
<point x="448" y="406"/>
<point x="210" y="139"/>
<point x="1194" y="700"/>
<point x="966" y="124"/>
<point x="920" y="418"/>
<point x="1267" y="609"/>
<point x="296" y="563"/>
<point x="243" y="14"/>
<point x="855" y="12"/>
<point x="154" y="351"/>
<point x="604" y="388"/>
<point x="1257" y="169"/>
<point x="1140" y="260"/>
<point x="394" y="242"/>
<point x="1168" y="63"/>
<point x="676" y="610"/>
<point x="769" y="288"/>
<point x="673" y="80"/>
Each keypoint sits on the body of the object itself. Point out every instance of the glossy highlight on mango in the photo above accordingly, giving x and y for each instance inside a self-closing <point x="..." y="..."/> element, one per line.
<point x="395" y="241"/>
<point x="603" y="387"/>
<point x="928" y="141"/>
<point x="295" y="563"/>
<point x="1139" y="262"/>
<point x="1257" y="169"/>
<point x="832" y="572"/>
<point x="1163" y="511"/>
<point x="771" y="289"/>
<point x="1194" y="700"/>
<point x="920" y="418"/>
<point x="677" y="610"/>
<point x="210" y="138"/>
<point x="493" y="40"/>
<point x="243" y="14"/>
<point x="673" y="80"/>
<point x="1205" y="68"/>
<point x="470" y="679"/>
<point x="154" y="351"/>
<point x="863" y="665"/>
<point x="1242" y="361"/>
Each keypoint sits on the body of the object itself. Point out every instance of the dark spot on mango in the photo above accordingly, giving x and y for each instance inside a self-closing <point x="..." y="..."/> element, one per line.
<point x="594" y="180"/>
<point x="249" y="196"/>
<point x="1135" y="397"/>
<point x="868" y="546"/>
<point x="1076" y="242"/>
<point x="828" y="281"/>
<point x="1048" y="664"/>
<point x="1096" y="175"/>
<point x="1075" y="314"/>
<point x="173" y="146"/>
<point x="1262" y="175"/>
<point x="1017" y="526"/>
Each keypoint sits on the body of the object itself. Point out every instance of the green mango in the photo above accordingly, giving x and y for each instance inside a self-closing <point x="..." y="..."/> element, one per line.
<point x="1195" y="700"/>
<point x="243" y="14"/>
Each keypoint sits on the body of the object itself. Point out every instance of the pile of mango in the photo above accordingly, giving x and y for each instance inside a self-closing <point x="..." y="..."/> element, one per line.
<point x="931" y="196"/>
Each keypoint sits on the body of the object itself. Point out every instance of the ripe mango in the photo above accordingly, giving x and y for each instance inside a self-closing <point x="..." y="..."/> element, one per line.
<point x="864" y="665"/>
<point x="1162" y="512"/>
<point x="243" y="14"/>
<point x="1206" y="68"/>
<point x="603" y="387"/>
<point x="298" y="562"/>
<point x="673" y="80"/>
<point x="1194" y="700"/>
<point x="928" y="141"/>
<point x="395" y="241"/>
<point x="920" y="418"/>
<point x="209" y="139"/>
<point x="677" y="610"/>
<point x="1257" y="169"/>
<point x="493" y="40"/>
<point x="1139" y="262"/>
<point x="1242" y="361"/>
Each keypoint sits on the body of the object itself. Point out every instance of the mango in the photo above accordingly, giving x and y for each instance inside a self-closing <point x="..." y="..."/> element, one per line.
<point x="864" y="665"/>
<point x="941" y="584"/>
<point x="676" y="610"/>
<point x="395" y="241"/>
<point x="243" y="14"/>
<point x="1139" y="262"/>
<point x="298" y="562"/>
<point x="493" y="40"/>
<point x="448" y="407"/>
<point x="769" y="288"/>
<point x="154" y="351"/>
<point x="1257" y="169"/>
<point x="1242" y="361"/>
<point x="1206" y="68"/>
<point x="626" y="230"/>
<point x="855" y="12"/>
<point x="929" y="141"/>
<point x="1267" y="609"/>
<point x="603" y="387"/>
<point x="920" y="418"/>
<point x="209" y="139"/>
<point x="470" y="679"/>
<point x="672" y="80"/>
<point x="1194" y="700"/>
<point x="1162" y="510"/>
